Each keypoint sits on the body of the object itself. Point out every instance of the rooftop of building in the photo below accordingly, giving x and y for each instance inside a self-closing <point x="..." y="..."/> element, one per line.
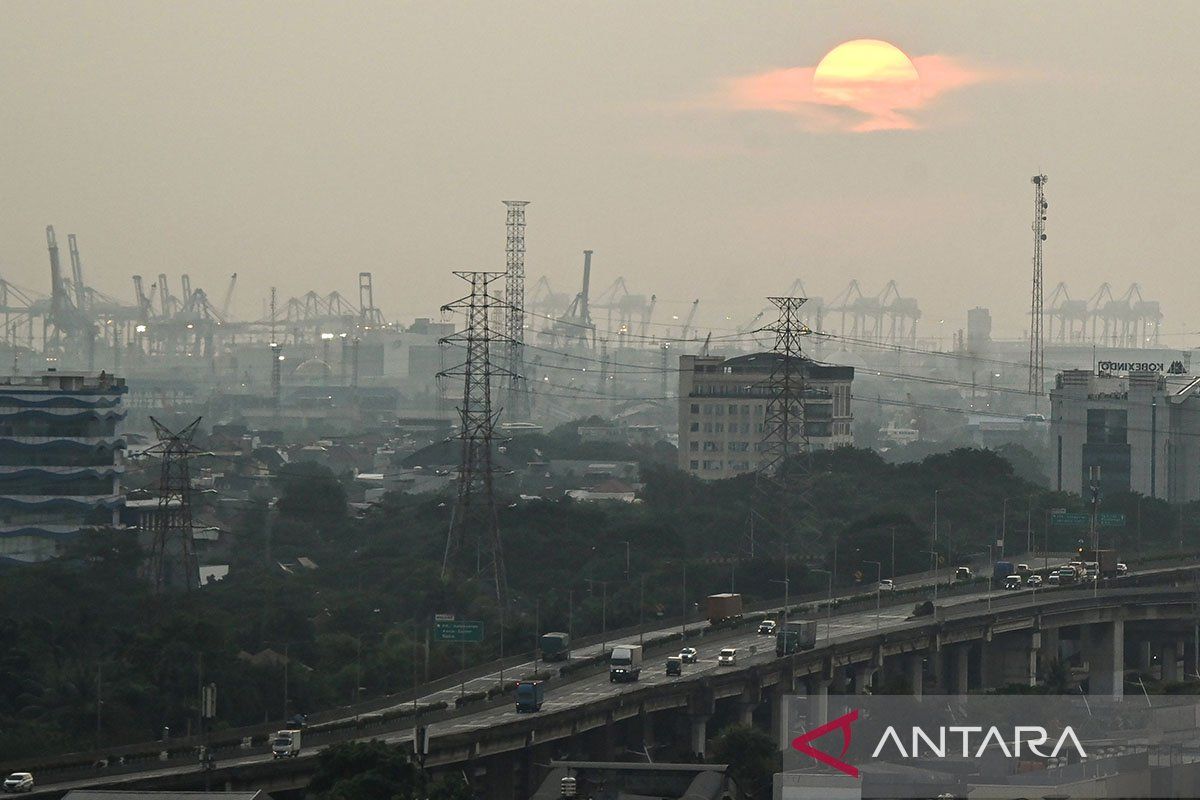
<point x="765" y="362"/>
<point x="55" y="381"/>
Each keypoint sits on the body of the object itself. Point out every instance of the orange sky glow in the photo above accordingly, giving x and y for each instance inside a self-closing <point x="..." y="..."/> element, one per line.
<point x="861" y="86"/>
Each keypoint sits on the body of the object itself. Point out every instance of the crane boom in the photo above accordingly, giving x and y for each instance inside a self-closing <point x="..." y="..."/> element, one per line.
<point x="228" y="297"/>
<point x="77" y="273"/>
<point x="164" y="295"/>
<point x="56" y="284"/>
<point x="691" y="316"/>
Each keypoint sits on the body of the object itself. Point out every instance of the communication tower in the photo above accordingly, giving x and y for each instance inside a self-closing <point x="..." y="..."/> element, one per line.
<point x="514" y="301"/>
<point x="1037" y="359"/>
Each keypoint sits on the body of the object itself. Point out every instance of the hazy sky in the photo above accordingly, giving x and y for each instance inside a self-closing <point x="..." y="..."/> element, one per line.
<point x="297" y="143"/>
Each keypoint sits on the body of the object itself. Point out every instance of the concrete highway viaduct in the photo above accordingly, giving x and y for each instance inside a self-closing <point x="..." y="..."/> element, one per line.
<point x="969" y="644"/>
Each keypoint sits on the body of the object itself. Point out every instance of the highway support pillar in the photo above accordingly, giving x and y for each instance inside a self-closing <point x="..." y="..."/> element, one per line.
<point x="1189" y="656"/>
<point x="1104" y="649"/>
<point x="960" y="663"/>
<point x="1009" y="659"/>
<point x="1168" y="660"/>
<point x="647" y="720"/>
<point x="699" y="724"/>
<point x="914" y="666"/>
<point x="863" y="674"/>
<point x="1145" y="656"/>
<point x="818" y="702"/>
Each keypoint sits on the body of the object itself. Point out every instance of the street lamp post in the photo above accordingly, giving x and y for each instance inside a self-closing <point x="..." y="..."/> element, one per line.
<point x="893" y="574"/>
<point x="626" y="559"/>
<point x="933" y="542"/>
<point x="786" y="586"/>
<point x="878" y="578"/>
<point x="829" y="604"/>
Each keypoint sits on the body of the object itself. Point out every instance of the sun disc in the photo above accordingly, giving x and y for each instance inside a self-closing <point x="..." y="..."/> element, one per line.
<point x="865" y="61"/>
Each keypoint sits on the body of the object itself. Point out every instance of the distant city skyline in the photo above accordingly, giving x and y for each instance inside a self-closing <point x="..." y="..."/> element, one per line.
<point x="300" y="144"/>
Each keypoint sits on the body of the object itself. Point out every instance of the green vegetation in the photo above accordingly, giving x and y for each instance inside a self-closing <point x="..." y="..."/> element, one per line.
<point x="362" y="618"/>
<point x="377" y="771"/>
<point x="752" y="756"/>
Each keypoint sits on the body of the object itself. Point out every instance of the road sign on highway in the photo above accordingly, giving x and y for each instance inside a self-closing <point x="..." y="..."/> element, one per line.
<point x="443" y="617"/>
<point x="457" y="631"/>
<point x="1111" y="518"/>
<point x="1075" y="518"/>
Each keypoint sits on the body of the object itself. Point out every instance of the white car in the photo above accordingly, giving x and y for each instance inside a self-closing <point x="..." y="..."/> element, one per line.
<point x="688" y="655"/>
<point x="1034" y="581"/>
<point x="766" y="627"/>
<point x="727" y="657"/>
<point x="887" y="585"/>
<point x="1122" y="568"/>
<point x="19" y="782"/>
<point x="1013" y="582"/>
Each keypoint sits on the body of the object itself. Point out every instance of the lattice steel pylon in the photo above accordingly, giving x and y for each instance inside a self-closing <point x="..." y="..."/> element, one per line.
<point x="474" y="514"/>
<point x="783" y="482"/>
<point x="172" y="557"/>
<point x="518" y="400"/>
<point x="1037" y="358"/>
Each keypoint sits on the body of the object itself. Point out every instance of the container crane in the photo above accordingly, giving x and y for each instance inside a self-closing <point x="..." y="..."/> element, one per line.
<point x="228" y="297"/>
<point x="77" y="273"/>
<point x="687" y="324"/>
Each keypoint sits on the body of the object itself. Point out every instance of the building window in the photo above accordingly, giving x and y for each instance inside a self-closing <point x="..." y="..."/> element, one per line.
<point x="718" y="427"/>
<point x="693" y="446"/>
<point x="733" y="410"/>
<point x="708" y="427"/>
<point x="712" y="465"/>
<point x="695" y="408"/>
<point x="708" y="408"/>
<point x="694" y="427"/>
<point x="720" y="409"/>
<point x="745" y="427"/>
<point x="745" y="410"/>
<point x="694" y="465"/>
<point x="712" y="447"/>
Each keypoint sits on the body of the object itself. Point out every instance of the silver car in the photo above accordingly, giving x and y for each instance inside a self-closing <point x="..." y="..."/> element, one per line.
<point x="19" y="782"/>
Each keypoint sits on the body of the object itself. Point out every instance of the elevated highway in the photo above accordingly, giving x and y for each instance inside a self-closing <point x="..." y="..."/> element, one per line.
<point x="972" y="642"/>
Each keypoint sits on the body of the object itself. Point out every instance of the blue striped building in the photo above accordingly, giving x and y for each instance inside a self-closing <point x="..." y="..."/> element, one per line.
<point x="61" y="459"/>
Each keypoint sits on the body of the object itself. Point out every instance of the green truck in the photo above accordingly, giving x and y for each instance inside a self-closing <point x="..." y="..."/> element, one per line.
<point x="794" y="636"/>
<point x="555" y="646"/>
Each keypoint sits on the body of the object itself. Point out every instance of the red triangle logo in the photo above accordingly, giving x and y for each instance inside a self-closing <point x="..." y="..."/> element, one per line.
<point x="802" y="743"/>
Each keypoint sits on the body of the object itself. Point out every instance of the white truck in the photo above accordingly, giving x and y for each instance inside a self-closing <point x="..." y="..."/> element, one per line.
<point x="625" y="663"/>
<point x="286" y="744"/>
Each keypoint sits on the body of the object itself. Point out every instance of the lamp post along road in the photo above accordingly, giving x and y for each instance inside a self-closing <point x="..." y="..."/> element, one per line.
<point x="878" y="580"/>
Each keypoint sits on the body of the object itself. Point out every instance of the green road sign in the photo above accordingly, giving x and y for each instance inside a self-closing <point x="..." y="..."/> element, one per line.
<point x="1074" y="518"/>
<point x="1111" y="518"/>
<point x="457" y="631"/>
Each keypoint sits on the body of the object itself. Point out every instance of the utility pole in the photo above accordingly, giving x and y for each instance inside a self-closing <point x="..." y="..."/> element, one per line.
<point x="1094" y="480"/>
<point x="514" y="301"/>
<point x="1037" y="363"/>
<point x="276" y="360"/>
<point x="474" y="514"/>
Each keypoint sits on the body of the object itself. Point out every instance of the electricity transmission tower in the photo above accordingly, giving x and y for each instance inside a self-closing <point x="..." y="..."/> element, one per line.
<point x="514" y="299"/>
<point x="783" y="483"/>
<point x="1037" y="361"/>
<point x="172" y="557"/>
<point x="473" y="518"/>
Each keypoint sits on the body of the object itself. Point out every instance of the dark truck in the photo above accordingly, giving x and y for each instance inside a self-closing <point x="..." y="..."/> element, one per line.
<point x="722" y="607"/>
<point x="530" y="696"/>
<point x="555" y="646"/>
<point x="794" y="636"/>
<point x="1002" y="570"/>
<point x="1106" y="560"/>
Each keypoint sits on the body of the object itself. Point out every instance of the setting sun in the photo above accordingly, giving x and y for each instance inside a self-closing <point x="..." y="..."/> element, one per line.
<point x="865" y="60"/>
<point x="859" y="86"/>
